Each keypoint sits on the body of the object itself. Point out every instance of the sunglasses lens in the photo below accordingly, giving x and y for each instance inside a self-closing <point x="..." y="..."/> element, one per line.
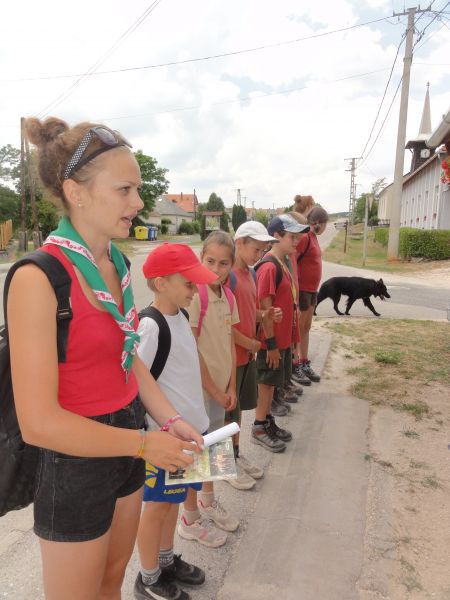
<point x="105" y="136"/>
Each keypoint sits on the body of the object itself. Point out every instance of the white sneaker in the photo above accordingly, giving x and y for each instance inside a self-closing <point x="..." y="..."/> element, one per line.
<point x="250" y="468"/>
<point x="202" y="531"/>
<point x="219" y="515"/>
<point x="243" y="481"/>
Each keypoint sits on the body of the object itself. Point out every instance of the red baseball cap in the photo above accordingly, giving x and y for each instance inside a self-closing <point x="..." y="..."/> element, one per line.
<point x="169" y="259"/>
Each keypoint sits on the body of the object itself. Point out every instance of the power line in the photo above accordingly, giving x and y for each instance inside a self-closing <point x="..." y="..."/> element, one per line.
<point x="101" y="60"/>
<point x="240" y="99"/>
<point x="384" y="96"/>
<point x="201" y="58"/>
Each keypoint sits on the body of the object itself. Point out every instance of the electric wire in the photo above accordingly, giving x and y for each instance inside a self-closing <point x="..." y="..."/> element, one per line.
<point x="101" y="60"/>
<point x="200" y="58"/>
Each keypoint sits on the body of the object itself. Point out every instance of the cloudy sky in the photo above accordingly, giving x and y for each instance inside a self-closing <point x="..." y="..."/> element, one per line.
<point x="274" y="122"/>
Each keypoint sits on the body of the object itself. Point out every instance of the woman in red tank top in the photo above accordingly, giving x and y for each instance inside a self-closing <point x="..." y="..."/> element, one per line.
<point x="84" y="415"/>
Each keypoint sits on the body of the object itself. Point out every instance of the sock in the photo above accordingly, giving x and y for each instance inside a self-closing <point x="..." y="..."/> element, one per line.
<point x="150" y="576"/>
<point x="296" y="361"/>
<point x="304" y="360"/>
<point x="206" y="498"/>
<point x="258" y="422"/>
<point x="191" y="515"/>
<point x="236" y="451"/>
<point x="165" y="558"/>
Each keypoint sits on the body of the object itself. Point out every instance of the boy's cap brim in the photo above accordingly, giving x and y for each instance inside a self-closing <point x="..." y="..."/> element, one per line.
<point x="199" y="274"/>
<point x="286" y="223"/>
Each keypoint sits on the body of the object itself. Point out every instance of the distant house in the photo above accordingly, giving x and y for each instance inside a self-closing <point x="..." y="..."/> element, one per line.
<point x="166" y="209"/>
<point x="425" y="199"/>
<point x="187" y="202"/>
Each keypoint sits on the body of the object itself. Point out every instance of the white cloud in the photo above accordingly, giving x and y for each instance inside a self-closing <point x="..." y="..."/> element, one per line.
<point x="273" y="146"/>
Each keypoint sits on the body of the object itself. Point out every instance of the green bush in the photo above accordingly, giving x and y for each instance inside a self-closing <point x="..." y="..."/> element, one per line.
<point x="166" y="222"/>
<point x="164" y="228"/>
<point x="186" y="228"/>
<point x="433" y="244"/>
<point x="382" y="235"/>
<point x="196" y="226"/>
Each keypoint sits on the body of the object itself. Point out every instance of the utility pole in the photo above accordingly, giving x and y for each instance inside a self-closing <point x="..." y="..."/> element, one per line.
<point x="351" y="204"/>
<point x="253" y="208"/>
<point x="37" y="241"/>
<point x="244" y="198"/>
<point x="396" y="203"/>
<point x="23" y="241"/>
<point x="238" y="196"/>
<point x="367" y="206"/>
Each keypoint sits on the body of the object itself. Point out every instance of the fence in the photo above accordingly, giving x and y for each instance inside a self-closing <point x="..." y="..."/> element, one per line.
<point x="5" y="234"/>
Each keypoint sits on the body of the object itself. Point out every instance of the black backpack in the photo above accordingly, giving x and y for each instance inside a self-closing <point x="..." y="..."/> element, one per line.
<point x="18" y="460"/>
<point x="164" y="338"/>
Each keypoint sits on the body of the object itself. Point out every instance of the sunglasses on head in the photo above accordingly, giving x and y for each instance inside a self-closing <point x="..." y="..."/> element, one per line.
<point x="108" y="137"/>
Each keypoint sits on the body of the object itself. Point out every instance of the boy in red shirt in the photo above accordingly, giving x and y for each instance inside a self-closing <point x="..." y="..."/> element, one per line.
<point x="309" y="276"/>
<point x="251" y="239"/>
<point x="274" y="359"/>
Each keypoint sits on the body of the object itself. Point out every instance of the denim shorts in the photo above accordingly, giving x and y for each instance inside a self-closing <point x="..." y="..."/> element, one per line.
<point x="76" y="496"/>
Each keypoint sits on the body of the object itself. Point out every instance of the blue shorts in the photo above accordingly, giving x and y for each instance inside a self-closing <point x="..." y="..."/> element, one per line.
<point x="155" y="489"/>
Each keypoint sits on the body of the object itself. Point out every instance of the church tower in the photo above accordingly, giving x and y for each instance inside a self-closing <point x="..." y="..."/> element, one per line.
<point x="420" y="151"/>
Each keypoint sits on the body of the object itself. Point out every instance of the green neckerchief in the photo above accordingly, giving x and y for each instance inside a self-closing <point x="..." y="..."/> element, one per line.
<point x="77" y="251"/>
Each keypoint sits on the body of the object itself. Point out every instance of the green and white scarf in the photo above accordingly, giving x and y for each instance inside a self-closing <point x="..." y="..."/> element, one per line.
<point x="77" y="251"/>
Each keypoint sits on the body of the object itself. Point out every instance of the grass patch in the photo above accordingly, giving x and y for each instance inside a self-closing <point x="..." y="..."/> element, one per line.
<point x="387" y="358"/>
<point x="376" y="255"/>
<point x="397" y="362"/>
<point x="431" y="482"/>
<point x="410" y="433"/>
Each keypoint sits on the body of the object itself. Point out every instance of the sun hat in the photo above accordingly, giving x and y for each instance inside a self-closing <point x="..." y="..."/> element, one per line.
<point x="286" y="223"/>
<point x="254" y="230"/>
<point x="169" y="259"/>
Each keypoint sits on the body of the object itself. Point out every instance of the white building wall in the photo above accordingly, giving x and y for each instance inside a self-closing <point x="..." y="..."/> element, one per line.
<point x="420" y="199"/>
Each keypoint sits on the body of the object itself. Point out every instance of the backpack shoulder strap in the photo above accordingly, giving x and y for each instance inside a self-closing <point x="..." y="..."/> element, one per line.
<point x="185" y="313"/>
<point x="268" y="258"/>
<point x="302" y="254"/>
<point x="230" y="297"/>
<point x="60" y="280"/>
<point x="203" y="297"/>
<point x="164" y="339"/>
<point x="232" y="279"/>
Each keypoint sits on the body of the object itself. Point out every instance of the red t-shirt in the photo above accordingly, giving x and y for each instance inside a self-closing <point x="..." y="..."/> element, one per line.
<point x="282" y="298"/>
<point x="310" y="265"/>
<point x="92" y="381"/>
<point x="245" y="294"/>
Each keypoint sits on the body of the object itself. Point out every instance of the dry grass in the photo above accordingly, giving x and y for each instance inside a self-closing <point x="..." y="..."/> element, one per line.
<point x="397" y="362"/>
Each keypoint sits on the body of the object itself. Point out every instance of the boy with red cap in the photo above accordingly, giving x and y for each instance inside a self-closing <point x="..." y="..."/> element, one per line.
<point x="171" y="270"/>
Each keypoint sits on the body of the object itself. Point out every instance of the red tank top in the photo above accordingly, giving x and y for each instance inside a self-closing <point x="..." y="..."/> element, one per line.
<point x="92" y="381"/>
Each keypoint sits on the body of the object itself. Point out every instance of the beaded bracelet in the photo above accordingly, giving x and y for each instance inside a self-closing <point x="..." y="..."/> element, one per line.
<point x="140" y="452"/>
<point x="170" y="422"/>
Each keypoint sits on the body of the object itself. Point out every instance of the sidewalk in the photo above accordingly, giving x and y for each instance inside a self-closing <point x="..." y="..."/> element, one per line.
<point x="305" y="517"/>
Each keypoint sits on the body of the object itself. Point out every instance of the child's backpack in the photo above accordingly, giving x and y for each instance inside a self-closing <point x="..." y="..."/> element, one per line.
<point x="18" y="460"/>
<point x="268" y="258"/>
<point x="232" y="279"/>
<point x="164" y="338"/>
<point x="302" y="254"/>
<point x="203" y="297"/>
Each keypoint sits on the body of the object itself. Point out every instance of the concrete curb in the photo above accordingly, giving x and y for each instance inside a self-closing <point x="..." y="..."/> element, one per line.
<point x="4" y="267"/>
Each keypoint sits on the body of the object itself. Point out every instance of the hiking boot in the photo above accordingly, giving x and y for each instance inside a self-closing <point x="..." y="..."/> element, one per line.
<point x="164" y="587"/>
<point x="299" y="376"/>
<point x="250" y="468"/>
<point x="309" y="371"/>
<point x="202" y="531"/>
<point x="279" y="433"/>
<point x="288" y="396"/>
<point x="219" y="515"/>
<point x="243" y="481"/>
<point x="183" y="572"/>
<point x="260" y="436"/>
<point x="293" y="386"/>
<point x="278" y="409"/>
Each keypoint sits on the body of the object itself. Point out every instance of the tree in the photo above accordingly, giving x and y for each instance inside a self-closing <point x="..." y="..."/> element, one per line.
<point x="9" y="162"/>
<point x="215" y="203"/>
<point x="238" y="216"/>
<point x="377" y="187"/>
<point x="261" y="216"/>
<point x="9" y="206"/>
<point x="154" y="184"/>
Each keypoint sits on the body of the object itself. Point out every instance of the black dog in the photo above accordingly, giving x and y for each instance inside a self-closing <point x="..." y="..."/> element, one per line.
<point x="354" y="288"/>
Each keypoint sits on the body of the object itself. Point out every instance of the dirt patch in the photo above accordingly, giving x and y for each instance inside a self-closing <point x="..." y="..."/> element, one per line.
<point x="403" y="369"/>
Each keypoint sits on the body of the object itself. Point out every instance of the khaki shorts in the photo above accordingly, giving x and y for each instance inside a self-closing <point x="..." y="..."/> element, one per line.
<point x="274" y="377"/>
<point x="246" y="390"/>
